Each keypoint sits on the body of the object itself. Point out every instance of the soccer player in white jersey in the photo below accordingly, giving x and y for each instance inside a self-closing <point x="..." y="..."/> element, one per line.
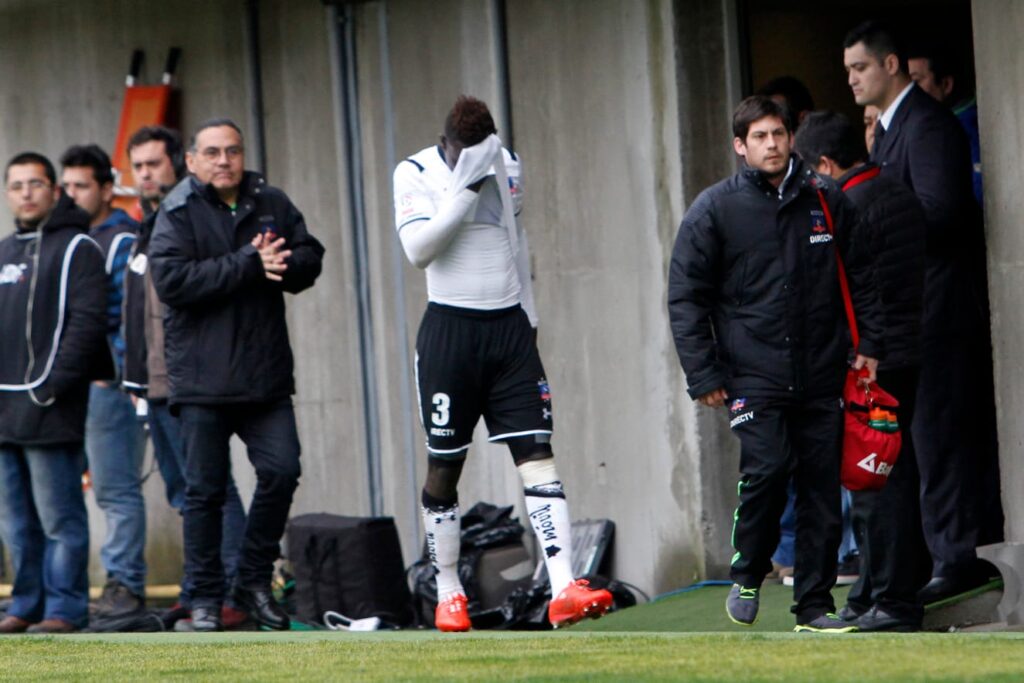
<point x="476" y="351"/>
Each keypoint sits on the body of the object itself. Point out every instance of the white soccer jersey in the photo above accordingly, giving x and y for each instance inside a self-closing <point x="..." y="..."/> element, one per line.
<point x="477" y="269"/>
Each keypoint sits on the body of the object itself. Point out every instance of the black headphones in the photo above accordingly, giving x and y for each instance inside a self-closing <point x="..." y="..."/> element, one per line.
<point x="176" y="151"/>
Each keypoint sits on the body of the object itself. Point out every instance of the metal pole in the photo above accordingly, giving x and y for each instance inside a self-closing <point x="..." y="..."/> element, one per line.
<point x="349" y="139"/>
<point x="499" y="27"/>
<point x="399" y="325"/>
<point x="257" y="146"/>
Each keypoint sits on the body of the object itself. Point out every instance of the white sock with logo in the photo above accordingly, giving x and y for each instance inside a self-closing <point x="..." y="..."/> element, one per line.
<point x="549" y="515"/>
<point x="443" y="530"/>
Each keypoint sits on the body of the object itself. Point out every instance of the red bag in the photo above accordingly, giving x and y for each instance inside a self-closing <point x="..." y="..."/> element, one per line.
<point x="869" y="454"/>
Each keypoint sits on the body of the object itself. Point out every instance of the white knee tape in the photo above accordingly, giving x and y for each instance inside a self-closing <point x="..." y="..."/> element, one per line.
<point x="538" y="472"/>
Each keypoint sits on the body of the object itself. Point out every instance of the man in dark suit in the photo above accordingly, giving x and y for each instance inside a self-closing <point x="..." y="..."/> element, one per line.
<point x="920" y="142"/>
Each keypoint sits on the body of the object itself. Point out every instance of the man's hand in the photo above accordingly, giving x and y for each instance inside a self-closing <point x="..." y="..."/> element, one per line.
<point x="271" y="254"/>
<point x="872" y="366"/>
<point x="714" y="399"/>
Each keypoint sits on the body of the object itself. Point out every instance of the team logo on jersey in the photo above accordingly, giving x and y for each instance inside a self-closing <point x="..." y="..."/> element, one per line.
<point x="513" y="186"/>
<point x="737" y="405"/>
<point x="818" y="222"/>
<point x="12" y="274"/>
<point x="545" y="390"/>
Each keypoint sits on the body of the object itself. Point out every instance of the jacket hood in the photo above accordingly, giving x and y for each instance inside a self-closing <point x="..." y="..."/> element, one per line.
<point x="66" y="214"/>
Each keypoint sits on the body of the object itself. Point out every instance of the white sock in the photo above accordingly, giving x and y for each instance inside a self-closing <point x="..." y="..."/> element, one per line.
<point x="443" y="540"/>
<point x="549" y="515"/>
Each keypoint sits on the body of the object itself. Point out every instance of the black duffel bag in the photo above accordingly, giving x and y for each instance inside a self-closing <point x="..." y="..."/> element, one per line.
<point x="350" y="565"/>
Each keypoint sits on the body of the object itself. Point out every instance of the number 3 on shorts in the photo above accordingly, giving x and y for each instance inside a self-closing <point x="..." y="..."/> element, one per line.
<point x="442" y="403"/>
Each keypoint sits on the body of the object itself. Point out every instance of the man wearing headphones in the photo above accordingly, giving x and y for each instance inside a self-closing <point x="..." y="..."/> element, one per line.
<point x="115" y="441"/>
<point x="157" y="159"/>
<point x="53" y="286"/>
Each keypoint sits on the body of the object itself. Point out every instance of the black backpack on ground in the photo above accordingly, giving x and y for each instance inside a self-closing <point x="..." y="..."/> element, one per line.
<point x="350" y="565"/>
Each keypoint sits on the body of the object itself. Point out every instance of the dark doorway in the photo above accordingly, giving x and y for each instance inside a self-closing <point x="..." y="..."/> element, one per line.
<point x="805" y="40"/>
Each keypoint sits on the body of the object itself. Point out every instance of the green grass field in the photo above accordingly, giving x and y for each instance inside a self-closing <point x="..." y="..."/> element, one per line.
<point x="620" y="647"/>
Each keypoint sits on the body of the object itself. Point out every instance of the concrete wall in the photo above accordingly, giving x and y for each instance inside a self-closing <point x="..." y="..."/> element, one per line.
<point x="620" y="111"/>
<point x="999" y="67"/>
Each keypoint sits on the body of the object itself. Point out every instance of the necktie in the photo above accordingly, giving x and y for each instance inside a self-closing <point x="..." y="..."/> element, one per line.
<point x="879" y="134"/>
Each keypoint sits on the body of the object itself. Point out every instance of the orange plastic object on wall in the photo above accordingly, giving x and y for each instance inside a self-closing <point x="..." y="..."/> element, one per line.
<point x="144" y="105"/>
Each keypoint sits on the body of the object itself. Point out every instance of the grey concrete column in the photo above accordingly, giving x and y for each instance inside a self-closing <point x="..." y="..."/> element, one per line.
<point x="999" y="65"/>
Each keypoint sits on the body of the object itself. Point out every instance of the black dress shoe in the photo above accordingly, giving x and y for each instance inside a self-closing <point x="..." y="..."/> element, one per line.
<point x="206" y="619"/>
<point x="877" y="619"/>
<point x="942" y="587"/>
<point x="261" y="606"/>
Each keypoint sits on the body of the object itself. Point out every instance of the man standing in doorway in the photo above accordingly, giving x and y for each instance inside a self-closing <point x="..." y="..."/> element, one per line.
<point x="757" y="315"/>
<point x="157" y="159"/>
<point x="225" y="249"/>
<point x="115" y="441"/>
<point x="919" y="142"/>
<point x="53" y="290"/>
<point x="476" y="352"/>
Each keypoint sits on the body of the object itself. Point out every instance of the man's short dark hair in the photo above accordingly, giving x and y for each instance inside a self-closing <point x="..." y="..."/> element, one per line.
<point x="755" y="108"/>
<point x="830" y="134"/>
<point x="880" y="40"/>
<point x="469" y="121"/>
<point x="939" y="62"/>
<point x="213" y="123"/>
<point x="32" y="158"/>
<point x="171" y="140"/>
<point x="798" y="97"/>
<point x="89" y="156"/>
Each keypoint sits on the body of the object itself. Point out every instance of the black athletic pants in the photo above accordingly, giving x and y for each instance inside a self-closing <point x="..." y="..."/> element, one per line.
<point x="895" y="563"/>
<point x="780" y="439"/>
<point x="269" y="433"/>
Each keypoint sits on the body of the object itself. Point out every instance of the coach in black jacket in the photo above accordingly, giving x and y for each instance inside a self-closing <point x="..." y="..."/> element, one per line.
<point x="758" y="321"/>
<point x="225" y="249"/>
<point x="894" y="557"/>
<point x="920" y="142"/>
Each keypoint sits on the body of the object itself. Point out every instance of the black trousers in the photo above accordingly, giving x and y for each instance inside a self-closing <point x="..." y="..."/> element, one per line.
<point x="954" y="434"/>
<point x="895" y="563"/>
<point x="269" y="433"/>
<point x="780" y="439"/>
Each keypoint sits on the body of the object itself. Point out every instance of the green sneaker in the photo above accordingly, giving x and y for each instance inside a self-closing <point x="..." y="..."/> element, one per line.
<point x="742" y="604"/>
<point x="826" y="623"/>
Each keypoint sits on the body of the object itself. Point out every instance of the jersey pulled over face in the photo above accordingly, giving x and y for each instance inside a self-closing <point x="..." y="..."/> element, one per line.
<point x="477" y="269"/>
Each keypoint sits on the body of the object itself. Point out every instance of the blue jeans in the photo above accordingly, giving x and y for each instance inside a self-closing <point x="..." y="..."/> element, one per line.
<point x="785" y="554"/>
<point x="848" y="548"/>
<point x="44" y="524"/>
<point x="169" y="450"/>
<point x="115" y="445"/>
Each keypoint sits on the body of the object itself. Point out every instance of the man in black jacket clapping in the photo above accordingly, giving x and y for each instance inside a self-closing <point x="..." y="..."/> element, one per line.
<point x="757" y="316"/>
<point x="225" y="249"/>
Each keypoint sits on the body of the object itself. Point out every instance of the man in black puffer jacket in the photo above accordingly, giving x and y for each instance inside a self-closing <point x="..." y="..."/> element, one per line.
<point x="894" y="556"/>
<point x="758" y="321"/>
<point x="225" y="249"/>
<point x="53" y="288"/>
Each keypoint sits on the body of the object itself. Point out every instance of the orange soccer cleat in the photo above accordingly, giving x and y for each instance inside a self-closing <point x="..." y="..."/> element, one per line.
<point x="577" y="602"/>
<point x="451" y="615"/>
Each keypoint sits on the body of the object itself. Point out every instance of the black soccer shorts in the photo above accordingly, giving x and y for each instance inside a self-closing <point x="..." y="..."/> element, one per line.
<point x="472" y="362"/>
